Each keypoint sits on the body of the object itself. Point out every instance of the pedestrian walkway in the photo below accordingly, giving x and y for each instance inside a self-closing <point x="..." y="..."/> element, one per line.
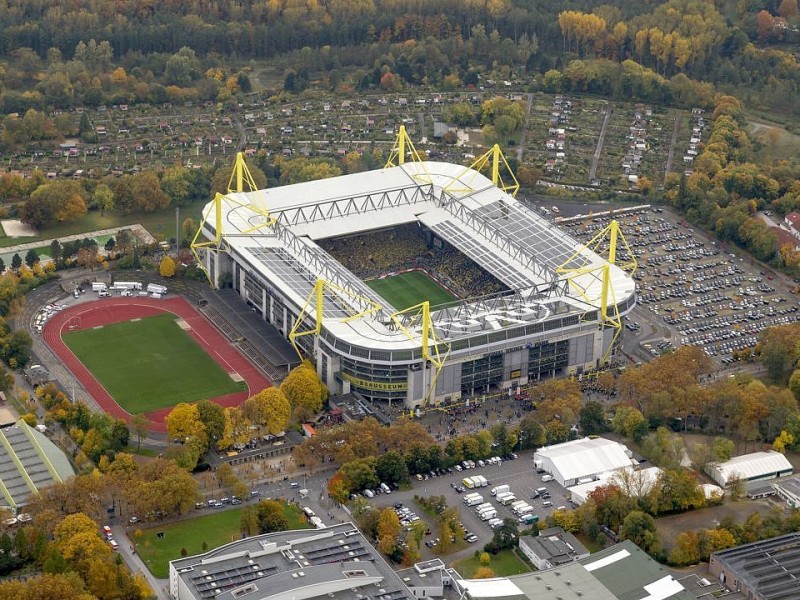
<point x="138" y="230"/>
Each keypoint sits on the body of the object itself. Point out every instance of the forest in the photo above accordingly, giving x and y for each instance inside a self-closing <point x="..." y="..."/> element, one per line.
<point x="87" y="52"/>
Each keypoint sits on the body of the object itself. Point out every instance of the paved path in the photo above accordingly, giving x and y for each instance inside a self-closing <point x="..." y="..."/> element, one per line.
<point x="675" y="129"/>
<point x="600" y="141"/>
<point x="524" y="137"/>
<point x="160" y="587"/>
<point x="137" y="229"/>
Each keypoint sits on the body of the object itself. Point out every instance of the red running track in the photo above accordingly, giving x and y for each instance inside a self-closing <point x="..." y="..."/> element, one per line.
<point x="115" y="310"/>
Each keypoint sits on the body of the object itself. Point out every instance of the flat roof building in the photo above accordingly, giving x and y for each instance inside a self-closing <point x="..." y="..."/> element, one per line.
<point x="789" y="490"/>
<point x="765" y="570"/>
<point x="553" y="547"/>
<point x="582" y="461"/>
<point x="757" y="466"/>
<point x="336" y="563"/>
<point x="620" y="572"/>
<point x="29" y="462"/>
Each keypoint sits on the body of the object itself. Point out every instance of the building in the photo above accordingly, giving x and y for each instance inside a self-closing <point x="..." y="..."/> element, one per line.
<point x="633" y="482"/>
<point x="792" y="222"/>
<point x="427" y="579"/>
<point x="582" y="461"/>
<point x="29" y="462"/>
<point x="789" y="490"/>
<point x="757" y="466"/>
<point x="553" y="547"/>
<point x="620" y="572"/>
<point x="537" y="326"/>
<point x="765" y="570"/>
<point x="336" y="562"/>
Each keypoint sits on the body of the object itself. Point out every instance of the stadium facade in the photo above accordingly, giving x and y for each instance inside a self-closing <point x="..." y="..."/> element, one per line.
<point x="552" y="320"/>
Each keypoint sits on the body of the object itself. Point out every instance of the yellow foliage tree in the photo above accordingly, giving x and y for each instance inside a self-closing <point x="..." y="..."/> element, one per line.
<point x="269" y="410"/>
<point x="303" y="388"/>
<point x="483" y="573"/>
<point x="167" y="267"/>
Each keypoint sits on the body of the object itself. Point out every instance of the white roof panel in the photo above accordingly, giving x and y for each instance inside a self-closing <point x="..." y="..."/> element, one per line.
<point x="751" y="466"/>
<point x="585" y="457"/>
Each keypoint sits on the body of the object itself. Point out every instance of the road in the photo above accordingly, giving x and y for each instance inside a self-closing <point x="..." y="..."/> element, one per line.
<point x="600" y="141"/>
<point x="160" y="587"/>
<point x="675" y="129"/>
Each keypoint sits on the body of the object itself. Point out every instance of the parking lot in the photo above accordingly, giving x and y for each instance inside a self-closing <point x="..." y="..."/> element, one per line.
<point x="518" y="474"/>
<point x="697" y="290"/>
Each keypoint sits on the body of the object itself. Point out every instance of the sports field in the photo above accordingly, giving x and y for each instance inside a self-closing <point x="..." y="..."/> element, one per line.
<point x="150" y="363"/>
<point x="409" y="289"/>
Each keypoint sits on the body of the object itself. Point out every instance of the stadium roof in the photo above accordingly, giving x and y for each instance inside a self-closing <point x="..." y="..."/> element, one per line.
<point x="586" y="457"/>
<point x="462" y="206"/>
<point x="769" y="568"/>
<point x="757" y="465"/>
<point x="28" y="462"/>
<point x="336" y="562"/>
<point x="620" y="572"/>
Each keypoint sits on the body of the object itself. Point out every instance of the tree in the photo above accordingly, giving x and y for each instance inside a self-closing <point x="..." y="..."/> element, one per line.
<point x="389" y="530"/>
<point x="304" y="389"/>
<point x="103" y="198"/>
<point x="140" y="427"/>
<point x="788" y="9"/>
<point x="361" y="473"/>
<point x="16" y="261"/>
<point x="640" y="528"/>
<point x="269" y="410"/>
<point x="167" y="267"/>
<point x="184" y="425"/>
<point x="271" y="516"/>
<point x="507" y="535"/>
<point x="391" y="468"/>
<point x="783" y="441"/>
<point x="483" y="573"/>
<point x="146" y="192"/>
<point x="593" y="418"/>
<point x="212" y="416"/>
<point x="31" y="258"/>
<point x="531" y="433"/>
<point x="723" y="449"/>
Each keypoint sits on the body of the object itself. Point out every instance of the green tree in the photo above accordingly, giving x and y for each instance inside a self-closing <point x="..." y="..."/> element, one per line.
<point x="361" y="473"/>
<point x="31" y="258"/>
<point x="640" y="528"/>
<point x="271" y="517"/>
<point x="391" y="468"/>
<point x="723" y="449"/>
<point x="212" y="416"/>
<point x="593" y="418"/>
<point x="103" y="198"/>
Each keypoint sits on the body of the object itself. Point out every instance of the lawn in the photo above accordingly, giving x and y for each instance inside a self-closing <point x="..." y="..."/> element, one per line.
<point x="504" y="563"/>
<point x="150" y="363"/>
<point x="409" y="289"/>
<point x="215" y="530"/>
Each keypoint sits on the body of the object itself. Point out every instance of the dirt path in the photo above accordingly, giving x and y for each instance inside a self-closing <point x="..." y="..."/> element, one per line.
<point x="670" y="157"/>
<point x="600" y="141"/>
<point x="524" y="137"/>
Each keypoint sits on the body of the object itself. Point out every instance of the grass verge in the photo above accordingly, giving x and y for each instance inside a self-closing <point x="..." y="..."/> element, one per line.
<point x="504" y="563"/>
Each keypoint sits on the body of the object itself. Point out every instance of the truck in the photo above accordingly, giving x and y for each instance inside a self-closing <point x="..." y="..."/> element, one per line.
<point x="99" y="286"/>
<point x="518" y="503"/>
<point x="489" y="513"/>
<point x="507" y="498"/>
<point x="480" y="481"/>
<point x="529" y="519"/>
<point x="127" y="285"/>
<point x="468" y="483"/>
<point x="483" y="506"/>
<point x="524" y="510"/>
<point x="497" y="490"/>
<point x="155" y="288"/>
<point x="474" y="500"/>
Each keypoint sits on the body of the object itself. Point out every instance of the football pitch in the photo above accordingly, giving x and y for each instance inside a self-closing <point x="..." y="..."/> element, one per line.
<point x="150" y="363"/>
<point x="409" y="289"/>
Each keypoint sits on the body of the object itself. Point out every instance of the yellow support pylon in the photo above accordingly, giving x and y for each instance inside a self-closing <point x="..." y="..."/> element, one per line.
<point x="397" y="156"/>
<point x="316" y="303"/>
<point x="420" y="314"/>
<point x="577" y="266"/>
<point x="495" y="157"/>
<point x="240" y="176"/>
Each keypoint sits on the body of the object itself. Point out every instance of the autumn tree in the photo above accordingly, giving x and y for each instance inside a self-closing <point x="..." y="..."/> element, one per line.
<point x="304" y="390"/>
<point x="640" y="528"/>
<point x="212" y="416"/>
<point x="389" y="530"/>
<point x="269" y="410"/>
<point x="184" y="426"/>
<point x="167" y="267"/>
<point x="271" y="516"/>
<point x="140" y="427"/>
<point x="58" y="200"/>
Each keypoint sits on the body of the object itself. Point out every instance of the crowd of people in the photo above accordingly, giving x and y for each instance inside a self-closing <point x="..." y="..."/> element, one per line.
<point x="377" y="253"/>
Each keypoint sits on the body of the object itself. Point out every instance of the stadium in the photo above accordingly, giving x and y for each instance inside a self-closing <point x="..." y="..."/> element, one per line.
<point x="419" y="282"/>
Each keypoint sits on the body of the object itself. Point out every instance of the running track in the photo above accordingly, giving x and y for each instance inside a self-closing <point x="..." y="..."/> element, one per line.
<point x="115" y="310"/>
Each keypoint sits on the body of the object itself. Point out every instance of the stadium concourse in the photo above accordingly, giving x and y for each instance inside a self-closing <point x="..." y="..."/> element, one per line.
<point x="115" y="310"/>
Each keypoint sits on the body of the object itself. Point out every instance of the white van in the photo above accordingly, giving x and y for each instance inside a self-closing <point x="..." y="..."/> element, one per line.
<point x="546" y="478"/>
<point x="369" y="493"/>
<point x="114" y="545"/>
<point x="386" y="489"/>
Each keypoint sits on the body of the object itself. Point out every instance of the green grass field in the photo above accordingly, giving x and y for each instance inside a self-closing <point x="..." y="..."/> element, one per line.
<point x="409" y="289"/>
<point x="150" y="364"/>
<point x="504" y="563"/>
<point x="215" y="530"/>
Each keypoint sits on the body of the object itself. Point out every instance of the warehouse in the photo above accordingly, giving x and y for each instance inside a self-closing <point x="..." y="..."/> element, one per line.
<point x="582" y="461"/>
<point x="757" y="466"/>
<point x="764" y="570"/>
<point x="635" y="483"/>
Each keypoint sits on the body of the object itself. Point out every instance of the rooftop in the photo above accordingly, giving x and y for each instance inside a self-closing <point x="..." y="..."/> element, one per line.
<point x="337" y="562"/>
<point x="750" y="466"/>
<point x="555" y="545"/>
<point x="586" y="457"/>
<point x="770" y="568"/>
<point x="462" y="206"/>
